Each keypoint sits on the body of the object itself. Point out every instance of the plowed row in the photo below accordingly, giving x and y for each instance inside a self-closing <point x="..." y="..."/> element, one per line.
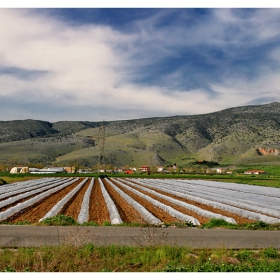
<point x="98" y="211"/>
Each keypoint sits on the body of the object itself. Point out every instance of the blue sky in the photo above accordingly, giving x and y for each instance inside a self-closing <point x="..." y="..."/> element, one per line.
<point x="127" y="63"/>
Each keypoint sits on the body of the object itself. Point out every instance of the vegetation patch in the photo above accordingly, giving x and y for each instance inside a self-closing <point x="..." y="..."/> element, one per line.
<point x="2" y="182"/>
<point x="115" y="258"/>
<point x="59" y="220"/>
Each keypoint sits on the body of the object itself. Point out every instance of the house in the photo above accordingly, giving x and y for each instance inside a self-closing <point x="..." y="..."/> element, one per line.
<point x="145" y="168"/>
<point x="249" y="172"/>
<point x="128" y="171"/>
<point x="160" y="168"/>
<point x="69" y="169"/>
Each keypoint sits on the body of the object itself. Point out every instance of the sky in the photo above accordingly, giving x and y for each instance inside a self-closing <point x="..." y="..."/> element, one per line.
<point x="92" y="64"/>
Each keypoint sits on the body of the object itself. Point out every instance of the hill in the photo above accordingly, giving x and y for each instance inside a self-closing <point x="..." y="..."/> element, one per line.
<point x="231" y="136"/>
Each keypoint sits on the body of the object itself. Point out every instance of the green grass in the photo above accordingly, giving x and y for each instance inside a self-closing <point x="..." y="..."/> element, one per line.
<point x="91" y="258"/>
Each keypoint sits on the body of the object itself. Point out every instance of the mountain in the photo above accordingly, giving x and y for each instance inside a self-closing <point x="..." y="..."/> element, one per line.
<point x="231" y="136"/>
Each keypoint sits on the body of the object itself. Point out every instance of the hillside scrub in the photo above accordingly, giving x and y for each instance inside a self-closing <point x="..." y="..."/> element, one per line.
<point x="231" y="136"/>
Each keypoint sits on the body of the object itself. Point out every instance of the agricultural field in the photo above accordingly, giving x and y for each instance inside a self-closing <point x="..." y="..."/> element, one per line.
<point x="143" y="201"/>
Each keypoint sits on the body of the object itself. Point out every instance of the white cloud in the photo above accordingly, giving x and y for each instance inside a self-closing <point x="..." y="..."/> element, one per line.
<point x="93" y="65"/>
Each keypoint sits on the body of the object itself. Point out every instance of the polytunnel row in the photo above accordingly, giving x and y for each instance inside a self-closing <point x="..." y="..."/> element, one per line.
<point x="168" y="209"/>
<point x="259" y="190"/>
<point x="246" y="198"/>
<point x="84" y="212"/>
<point x="21" y="206"/>
<point x="199" y="211"/>
<point x="153" y="183"/>
<point x="20" y="196"/>
<point x="233" y="201"/>
<point x="146" y="215"/>
<point x="58" y="206"/>
<point x="113" y="211"/>
<point x="7" y="189"/>
<point x="27" y="190"/>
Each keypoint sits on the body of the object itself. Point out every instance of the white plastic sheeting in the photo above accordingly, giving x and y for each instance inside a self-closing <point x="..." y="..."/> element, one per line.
<point x="84" y="212"/>
<point x="145" y="214"/>
<point x="26" y="192"/>
<point x="170" y="210"/>
<point x="180" y="191"/>
<point x="113" y="211"/>
<point x="20" y="206"/>
<point x="57" y="208"/>
<point x="199" y="211"/>
<point x="22" y="186"/>
<point x="258" y="198"/>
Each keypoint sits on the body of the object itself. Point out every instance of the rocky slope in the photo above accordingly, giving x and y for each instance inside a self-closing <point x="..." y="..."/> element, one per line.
<point x="234" y="135"/>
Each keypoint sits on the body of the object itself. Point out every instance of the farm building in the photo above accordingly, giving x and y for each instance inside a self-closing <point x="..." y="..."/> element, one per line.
<point x="160" y="168"/>
<point x="50" y="170"/>
<point x="17" y="170"/>
<point x="145" y="168"/>
<point x="128" y="171"/>
<point x="249" y="172"/>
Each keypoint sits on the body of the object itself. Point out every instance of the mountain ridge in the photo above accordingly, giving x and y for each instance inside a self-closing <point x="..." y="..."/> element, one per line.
<point x="231" y="135"/>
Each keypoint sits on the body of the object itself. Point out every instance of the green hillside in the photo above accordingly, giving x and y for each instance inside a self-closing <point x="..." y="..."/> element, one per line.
<point x="228" y="136"/>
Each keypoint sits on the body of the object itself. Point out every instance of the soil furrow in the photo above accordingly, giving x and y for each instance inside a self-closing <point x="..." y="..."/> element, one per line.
<point x="98" y="211"/>
<point x="37" y="211"/>
<point x="127" y="213"/>
<point x="73" y="207"/>
<point x="156" y="211"/>
<point x="237" y="218"/>
<point x="181" y="209"/>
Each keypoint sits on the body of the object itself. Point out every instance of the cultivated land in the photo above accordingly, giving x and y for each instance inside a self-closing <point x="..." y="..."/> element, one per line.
<point x="143" y="248"/>
<point x="195" y="207"/>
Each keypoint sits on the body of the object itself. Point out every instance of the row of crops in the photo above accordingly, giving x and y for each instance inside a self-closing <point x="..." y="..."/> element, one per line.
<point x="176" y="198"/>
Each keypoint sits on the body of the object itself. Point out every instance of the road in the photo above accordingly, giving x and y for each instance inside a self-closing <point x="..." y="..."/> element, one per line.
<point x="25" y="236"/>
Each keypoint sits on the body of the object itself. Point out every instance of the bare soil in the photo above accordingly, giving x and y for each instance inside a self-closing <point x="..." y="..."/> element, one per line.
<point x="237" y="218"/>
<point x="98" y="211"/>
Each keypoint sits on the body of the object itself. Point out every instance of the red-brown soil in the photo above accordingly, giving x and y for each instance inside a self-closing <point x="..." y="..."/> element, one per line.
<point x="157" y="212"/>
<point x="98" y="211"/>
<point x="38" y="211"/>
<point x="237" y="218"/>
<point x="126" y="211"/>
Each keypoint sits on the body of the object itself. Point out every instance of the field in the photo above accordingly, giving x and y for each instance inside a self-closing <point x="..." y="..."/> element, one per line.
<point x="137" y="201"/>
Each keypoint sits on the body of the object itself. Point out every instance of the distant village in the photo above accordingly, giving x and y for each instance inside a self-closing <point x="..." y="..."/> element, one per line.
<point x="172" y="169"/>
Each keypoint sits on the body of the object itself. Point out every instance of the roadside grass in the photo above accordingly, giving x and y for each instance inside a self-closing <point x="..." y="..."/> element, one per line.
<point x="114" y="258"/>
<point x="62" y="220"/>
<point x="220" y="223"/>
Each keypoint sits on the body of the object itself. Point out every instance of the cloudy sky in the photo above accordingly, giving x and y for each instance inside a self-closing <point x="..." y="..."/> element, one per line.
<point x="127" y="63"/>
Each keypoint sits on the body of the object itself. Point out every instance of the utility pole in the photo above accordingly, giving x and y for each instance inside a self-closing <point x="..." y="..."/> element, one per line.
<point x="102" y="145"/>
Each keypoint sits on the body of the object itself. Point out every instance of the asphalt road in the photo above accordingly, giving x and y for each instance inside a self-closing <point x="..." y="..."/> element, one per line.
<point x="25" y="236"/>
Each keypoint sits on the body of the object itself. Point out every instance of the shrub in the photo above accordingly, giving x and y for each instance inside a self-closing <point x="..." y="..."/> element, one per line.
<point x="60" y="220"/>
<point x="216" y="223"/>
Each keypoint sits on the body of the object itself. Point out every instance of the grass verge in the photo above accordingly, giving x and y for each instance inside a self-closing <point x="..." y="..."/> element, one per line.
<point x="91" y="258"/>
